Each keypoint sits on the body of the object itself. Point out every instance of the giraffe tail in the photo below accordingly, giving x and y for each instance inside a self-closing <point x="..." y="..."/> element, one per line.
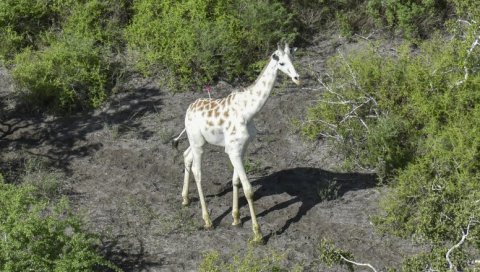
<point x="176" y="140"/>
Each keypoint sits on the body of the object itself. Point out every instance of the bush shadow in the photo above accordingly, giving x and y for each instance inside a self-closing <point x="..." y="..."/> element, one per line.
<point x="128" y="261"/>
<point x="62" y="138"/>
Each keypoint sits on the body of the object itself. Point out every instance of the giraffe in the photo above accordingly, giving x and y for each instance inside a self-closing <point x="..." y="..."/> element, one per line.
<point x="228" y="122"/>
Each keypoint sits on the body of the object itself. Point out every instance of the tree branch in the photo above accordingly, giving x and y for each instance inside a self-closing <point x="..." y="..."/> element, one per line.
<point x="469" y="52"/>
<point x="465" y="233"/>
<point x="359" y="264"/>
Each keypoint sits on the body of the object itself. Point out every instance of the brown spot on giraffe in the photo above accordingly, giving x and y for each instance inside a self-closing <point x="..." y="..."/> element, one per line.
<point x="220" y="122"/>
<point x="210" y="112"/>
<point x="210" y="123"/>
<point x="225" y="114"/>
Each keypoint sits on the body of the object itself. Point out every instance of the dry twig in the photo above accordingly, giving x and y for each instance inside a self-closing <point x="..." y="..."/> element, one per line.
<point x="465" y="233"/>
<point x="359" y="264"/>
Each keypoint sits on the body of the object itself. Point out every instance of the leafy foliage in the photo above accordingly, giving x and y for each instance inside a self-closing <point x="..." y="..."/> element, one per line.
<point x="249" y="262"/>
<point x="198" y="41"/>
<point x="330" y="255"/>
<point x="40" y="236"/>
<point x="69" y="67"/>
<point x="314" y="16"/>
<point x="24" y="22"/>
<point x="413" y="18"/>
<point x="67" y="72"/>
<point x="413" y="118"/>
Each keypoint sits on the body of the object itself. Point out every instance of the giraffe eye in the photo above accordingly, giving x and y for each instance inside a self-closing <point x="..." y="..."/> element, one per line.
<point x="282" y="63"/>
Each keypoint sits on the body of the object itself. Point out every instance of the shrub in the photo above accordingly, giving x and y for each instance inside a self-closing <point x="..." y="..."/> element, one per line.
<point x="413" y="18"/>
<point x="75" y="65"/>
<point x="23" y="22"/>
<point x="67" y="73"/>
<point x="249" y="261"/>
<point x="437" y="197"/>
<point x="351" y="111"/>
<point x="318" y="16"/>
<point x="413" y="118"/>
<point x="40" y="236"/>
<point x="198" y="41"/>
<point x="330" y="255"/>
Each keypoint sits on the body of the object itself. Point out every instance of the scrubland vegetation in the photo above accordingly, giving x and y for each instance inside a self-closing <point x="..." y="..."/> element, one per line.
<point x="38" y="230"/>
<point x="410" y="115"/>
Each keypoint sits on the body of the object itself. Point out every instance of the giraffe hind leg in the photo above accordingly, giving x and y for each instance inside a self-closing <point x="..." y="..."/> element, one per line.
<point x="235" y="212"/>
<point x="188" y="160"/>
<point x="197" y="174"/>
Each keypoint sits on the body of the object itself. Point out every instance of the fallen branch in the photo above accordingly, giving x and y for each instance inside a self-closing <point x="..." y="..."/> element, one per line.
<point x="465" y="233"/>
<point x="465" y="68"/>
<point x="359" y="264"/>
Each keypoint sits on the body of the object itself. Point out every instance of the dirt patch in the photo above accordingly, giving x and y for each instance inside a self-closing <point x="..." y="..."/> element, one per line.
<point x="123" y="176"/>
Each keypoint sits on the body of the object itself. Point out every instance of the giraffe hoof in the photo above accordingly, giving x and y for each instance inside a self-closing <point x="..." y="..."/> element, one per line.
<point x="257" y="240"/>
<point x="185" y="203"/>
<point x="208" y="224"/>
<point x="236" y="224"/>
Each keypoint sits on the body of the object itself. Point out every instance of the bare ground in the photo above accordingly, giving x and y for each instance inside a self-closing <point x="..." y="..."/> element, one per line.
<point x="123" y="176"/>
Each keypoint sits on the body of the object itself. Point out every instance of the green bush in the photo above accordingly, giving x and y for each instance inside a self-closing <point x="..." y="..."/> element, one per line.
<point x="413" y="18"/>
<point x="330" y="255"/>
<point x="198" y="41"/>
<point x="23" y="22"/>
<point x="351" y="111"/>
<point x="67" y="73"/>
<point x="413" y="117"/>
<point x="248" y="262"/>
<point x="40" y="236"/>
<point x="75" y="65"/>
<point x="437" y="196"/>
<point x="313" y="17"/>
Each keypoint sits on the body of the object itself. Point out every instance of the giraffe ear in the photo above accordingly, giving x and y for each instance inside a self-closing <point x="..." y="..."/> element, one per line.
<point x="275" y="57"/>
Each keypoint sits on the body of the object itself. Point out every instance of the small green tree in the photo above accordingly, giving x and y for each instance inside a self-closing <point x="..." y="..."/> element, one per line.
<point x="36" y="235"/>
<point x="74" y="66"/>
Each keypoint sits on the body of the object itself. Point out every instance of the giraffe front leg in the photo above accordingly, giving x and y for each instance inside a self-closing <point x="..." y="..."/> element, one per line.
<point x="197" y="174"/>
<point x="235" y="213"/>
<point x="188" y="159"/>
<point x="247" y="189"/>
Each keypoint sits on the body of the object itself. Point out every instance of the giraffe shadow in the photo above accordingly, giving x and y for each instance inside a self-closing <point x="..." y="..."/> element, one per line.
<point x="307" y="186"/>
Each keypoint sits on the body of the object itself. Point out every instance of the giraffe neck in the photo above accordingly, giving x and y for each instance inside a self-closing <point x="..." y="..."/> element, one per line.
<point x="255" y="96"/>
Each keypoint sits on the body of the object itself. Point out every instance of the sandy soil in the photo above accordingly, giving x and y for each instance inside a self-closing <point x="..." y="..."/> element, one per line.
<point x="123" y="176"/>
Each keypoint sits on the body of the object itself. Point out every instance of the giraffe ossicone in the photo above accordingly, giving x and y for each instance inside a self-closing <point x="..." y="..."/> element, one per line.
<point x="228" y="122"/>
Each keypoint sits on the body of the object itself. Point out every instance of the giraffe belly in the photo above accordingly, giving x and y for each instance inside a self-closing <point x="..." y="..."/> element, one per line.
<point x="214" y="136"/>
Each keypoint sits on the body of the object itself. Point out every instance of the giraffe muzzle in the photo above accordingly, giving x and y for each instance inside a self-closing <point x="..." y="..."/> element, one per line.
<point x="296" y="80"/>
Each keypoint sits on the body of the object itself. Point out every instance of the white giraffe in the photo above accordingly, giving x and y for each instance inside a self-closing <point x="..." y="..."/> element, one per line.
<point x="229" y="122"/>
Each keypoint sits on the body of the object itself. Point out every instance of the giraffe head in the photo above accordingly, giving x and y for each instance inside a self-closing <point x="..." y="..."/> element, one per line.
<point x="283" y="57"/>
